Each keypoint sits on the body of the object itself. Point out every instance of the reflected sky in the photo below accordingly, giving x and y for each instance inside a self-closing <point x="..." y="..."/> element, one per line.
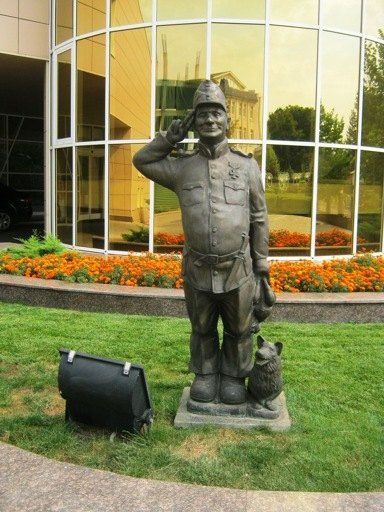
<point x="292" y="78"/>
<point x="247" y="66"/>
<point x="185" y="46"/>
<point x="342" y="14"/>
<point x="246" y="9"/>
<point x="175" y="9"/>
<point x="340" y="75"/>
<point x="295" y="11"/>
<point x="374" y="17"/>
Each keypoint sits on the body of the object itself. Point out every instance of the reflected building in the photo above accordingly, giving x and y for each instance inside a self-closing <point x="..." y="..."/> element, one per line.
<point x="122" y="70"/>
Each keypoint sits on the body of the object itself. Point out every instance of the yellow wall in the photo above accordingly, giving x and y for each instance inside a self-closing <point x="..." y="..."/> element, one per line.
<point x="24" y="28"/>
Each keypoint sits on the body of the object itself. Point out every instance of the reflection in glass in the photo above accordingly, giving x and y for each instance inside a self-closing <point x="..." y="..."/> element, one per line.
<point x="130" y="84"/>
<point x="91" y="88"/>
<point x="339" y="88"/>
<point x="292" y="84"/>
<point x="128" y="201"/>
<point x="134" y="11"/>
<point x="335" y="199"/>
<point x="246" y="9"/>
<point x="374" y="18"/>
<point x="295" y="11"/>
<point x="90" y="195"/>
<point x="64" y="20"/>
<point x="371" y="202"/>
<point x="373" y="96"/>
<point x="240" y="75"/>
<point x="64" y="215"/>
<point x="176" y="10"/>
<point x="64" y="95"/>
<point x="289" y="177"/>
<point x="342" y="14"/>
<point x="181" y="53"/>
<point x="90" y="16"/>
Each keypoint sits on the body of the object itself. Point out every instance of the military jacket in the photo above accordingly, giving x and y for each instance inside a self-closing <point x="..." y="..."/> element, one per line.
<point x="222" y="203"/>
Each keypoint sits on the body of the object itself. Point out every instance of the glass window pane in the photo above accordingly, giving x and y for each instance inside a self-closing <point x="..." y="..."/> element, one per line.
<point x="64" y="216"/>
<point x="90" y="16"/>
<point x="30" y="128"/>
<point x="295" y="11"/>
<point x="176" y="10"/>
<point x="371" y="201"/>
<point x="246" y="9"/>
<point x="26" y="157"/>
<point x="130" y="84"/>
<point x="64" y="20"/>
<point x="64" y="95"/>
<point x="288" y="191"/>
<point x="339" y="88"/>
<point x="292" y="84"/>
<point x="90" y="195"/>
<point x="128" y="201"/>
<point x="374" y="18"/>
<point x="181" y="54"/>
<point x="342" y="14"/>
<point x="125" y="13"/>
<point x="240" y="75"/>
<point x="373" y="96"/>
<point x="335" y="199"/>
<point x="91" y="88"/>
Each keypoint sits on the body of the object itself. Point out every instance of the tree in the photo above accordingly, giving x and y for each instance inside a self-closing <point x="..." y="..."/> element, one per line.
<point x="297" y="123"/>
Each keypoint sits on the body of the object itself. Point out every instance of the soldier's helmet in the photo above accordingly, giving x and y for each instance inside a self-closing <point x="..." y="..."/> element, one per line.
<point x="209" y="93"/>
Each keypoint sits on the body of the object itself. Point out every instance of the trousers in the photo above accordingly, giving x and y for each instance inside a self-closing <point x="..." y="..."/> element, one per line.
<point x="235" y="308"/>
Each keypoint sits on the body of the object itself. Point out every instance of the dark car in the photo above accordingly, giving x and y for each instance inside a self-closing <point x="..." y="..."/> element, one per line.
<point x="15" y="206"/>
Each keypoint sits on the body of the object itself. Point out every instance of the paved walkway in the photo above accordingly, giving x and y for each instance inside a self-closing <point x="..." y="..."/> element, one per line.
<point x="31" y="483"/>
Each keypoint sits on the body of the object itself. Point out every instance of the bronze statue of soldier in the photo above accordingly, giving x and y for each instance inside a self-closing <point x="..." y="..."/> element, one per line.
<point x="225" y="224"/>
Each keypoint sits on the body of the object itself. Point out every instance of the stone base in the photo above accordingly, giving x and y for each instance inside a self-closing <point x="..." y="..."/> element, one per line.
<point x="197" y="414"/>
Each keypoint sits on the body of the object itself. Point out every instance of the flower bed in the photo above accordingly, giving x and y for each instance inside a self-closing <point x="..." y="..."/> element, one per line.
<point x="362" y="273"/>
<point x="277" y="238"/>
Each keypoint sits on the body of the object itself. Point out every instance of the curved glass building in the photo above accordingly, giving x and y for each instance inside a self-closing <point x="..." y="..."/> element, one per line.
<point x="304" y="82"/>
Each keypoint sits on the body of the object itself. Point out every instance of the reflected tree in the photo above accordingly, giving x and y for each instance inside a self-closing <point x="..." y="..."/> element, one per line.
<point x="297" y="123"/>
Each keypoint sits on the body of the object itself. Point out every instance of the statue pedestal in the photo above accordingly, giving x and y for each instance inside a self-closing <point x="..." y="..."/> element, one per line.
<point x="247" y="415"/>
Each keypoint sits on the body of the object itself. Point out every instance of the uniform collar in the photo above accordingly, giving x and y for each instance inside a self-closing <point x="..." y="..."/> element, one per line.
<point x="215" y="151"/>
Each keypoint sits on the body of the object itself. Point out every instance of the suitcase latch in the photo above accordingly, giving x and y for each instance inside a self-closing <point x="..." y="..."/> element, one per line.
<point x="71" y="355"/>
<point x="126" y="368"/>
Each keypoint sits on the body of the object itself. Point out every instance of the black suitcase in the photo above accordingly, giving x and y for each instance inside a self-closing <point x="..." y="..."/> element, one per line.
<point x="104" y="392"/>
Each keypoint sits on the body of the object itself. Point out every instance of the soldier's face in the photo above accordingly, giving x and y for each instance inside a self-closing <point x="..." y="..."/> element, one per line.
<point x="211" y="123"/>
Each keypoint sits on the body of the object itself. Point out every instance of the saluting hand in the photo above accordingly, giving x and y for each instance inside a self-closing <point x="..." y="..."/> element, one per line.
<point x="179" y="129"/>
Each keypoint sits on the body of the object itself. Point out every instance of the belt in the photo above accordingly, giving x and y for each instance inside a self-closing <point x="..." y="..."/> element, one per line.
<point x="214" y="259"/>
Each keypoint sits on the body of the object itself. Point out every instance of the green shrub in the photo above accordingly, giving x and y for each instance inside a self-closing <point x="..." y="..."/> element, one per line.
<point x="36" y="246"/>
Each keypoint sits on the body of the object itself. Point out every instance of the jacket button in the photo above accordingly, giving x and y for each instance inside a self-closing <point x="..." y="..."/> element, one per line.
<point x="215" y="272"/>
<point x="214" y="243"/>
<point x="213" y="200"/>
<point x="214" y="210"/>
<point x="214" y="229"/>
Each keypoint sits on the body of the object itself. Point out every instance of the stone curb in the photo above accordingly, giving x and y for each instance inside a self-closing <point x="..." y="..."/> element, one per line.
<point x="32" y="483"/>
<point x="363" y="307"/>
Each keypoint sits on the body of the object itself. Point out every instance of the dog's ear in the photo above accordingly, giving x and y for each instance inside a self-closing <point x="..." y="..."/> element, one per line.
<point x="260" y="341"/>
<point x="279" y="347"/>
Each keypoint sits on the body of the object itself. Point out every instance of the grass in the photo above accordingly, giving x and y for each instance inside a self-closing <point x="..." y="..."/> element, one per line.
<point x="333" y="381"/>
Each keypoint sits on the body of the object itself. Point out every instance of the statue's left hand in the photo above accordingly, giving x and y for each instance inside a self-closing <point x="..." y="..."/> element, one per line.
<point x="264" y="297"/>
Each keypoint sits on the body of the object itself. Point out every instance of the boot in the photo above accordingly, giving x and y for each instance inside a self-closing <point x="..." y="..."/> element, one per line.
<point x="204" y="387"/>
<point x="232" y="390"/>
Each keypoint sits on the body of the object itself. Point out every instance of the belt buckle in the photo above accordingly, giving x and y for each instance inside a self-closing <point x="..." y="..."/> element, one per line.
<point x="213" y="259"/>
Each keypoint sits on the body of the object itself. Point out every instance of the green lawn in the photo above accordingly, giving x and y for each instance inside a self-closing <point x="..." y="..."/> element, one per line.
<point x="334" y="387"/>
